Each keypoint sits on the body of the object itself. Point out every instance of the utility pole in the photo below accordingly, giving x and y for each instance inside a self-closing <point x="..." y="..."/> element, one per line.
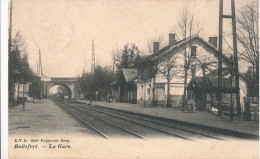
<point x="40" y="74"/>
<point x="233" y="17"/>
<point x="220" y="58"/>
<point x="235" y="57"/>
<point x="37" y="68"/>
<point x="40" y="64"/>
<point x="92" y="68"/>
<point x="93" y="58"/>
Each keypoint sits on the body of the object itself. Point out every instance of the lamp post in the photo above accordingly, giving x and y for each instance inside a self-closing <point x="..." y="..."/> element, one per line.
<point x="23" y="80"/>
<point x="231" y="67"/>
<point x="23" y="95"/>
<point x="33" y="89"/>
<point x="18" y="89"/>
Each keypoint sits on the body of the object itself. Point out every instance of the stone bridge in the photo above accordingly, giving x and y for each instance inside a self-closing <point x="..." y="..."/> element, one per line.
<point x="68" y="82"/>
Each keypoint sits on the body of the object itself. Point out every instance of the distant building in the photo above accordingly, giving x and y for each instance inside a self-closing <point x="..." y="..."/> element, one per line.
<point x="125" y="89"/>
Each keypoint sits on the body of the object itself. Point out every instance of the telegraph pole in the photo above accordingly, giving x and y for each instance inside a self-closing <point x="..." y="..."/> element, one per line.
<point x="220" y="58"/>
<point x="93" y="58"/>
<point x="233" y="17"/>
<point x="37" y="68"/>
<point x="92" y="68"/>
<point x="40" y="74"/>
<point x="40" y="64"/>
<point x="235" y="57"/>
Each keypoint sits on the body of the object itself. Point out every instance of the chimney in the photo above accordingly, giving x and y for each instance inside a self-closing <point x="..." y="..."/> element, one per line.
<point x="193" y="51"/>
<point x="213" y="41"/>
<point x="172" y="39"/>
<point x="156" y="47"/>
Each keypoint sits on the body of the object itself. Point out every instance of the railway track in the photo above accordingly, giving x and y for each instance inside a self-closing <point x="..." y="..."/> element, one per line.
<point x="111" y="123"/>
<point x="99" y="126"/>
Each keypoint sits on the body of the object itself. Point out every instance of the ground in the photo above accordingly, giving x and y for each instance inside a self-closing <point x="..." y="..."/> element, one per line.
<point x="43" y="117"/>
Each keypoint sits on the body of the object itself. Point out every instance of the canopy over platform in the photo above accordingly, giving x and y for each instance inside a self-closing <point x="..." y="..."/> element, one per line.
<point x="211" y="84"/>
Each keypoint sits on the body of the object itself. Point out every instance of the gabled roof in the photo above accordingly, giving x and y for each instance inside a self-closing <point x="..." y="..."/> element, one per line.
<point x="211" y="83"/>
<point x="130" y="74"/>
<point x="169" y="48"/>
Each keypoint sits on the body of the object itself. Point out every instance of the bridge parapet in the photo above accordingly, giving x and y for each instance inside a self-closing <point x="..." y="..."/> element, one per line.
<point x="73" y="79"/>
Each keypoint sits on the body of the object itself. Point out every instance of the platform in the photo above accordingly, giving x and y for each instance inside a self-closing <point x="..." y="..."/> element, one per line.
<point x="199" y="118"/>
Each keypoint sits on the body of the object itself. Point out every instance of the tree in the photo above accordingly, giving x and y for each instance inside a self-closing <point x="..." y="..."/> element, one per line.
<point x="127" y="57"/>
<point x="247" y="34"/>
<point x="248" y="38"/>
<point x="187" y="27"/>
<point x="250" y="80"/>
<point x="154" y="64"/>
<point x="103" y="77"/>
<point x="18" y="67"/>
<point x="89" y="83"/>
<point x="35" y="88"/>
<point x="86" y="83"/>
<point x="167" y="70"/>
<point x="15" y="64"/>
<point x="248" y="44"/>
<point x="13" y="72"/>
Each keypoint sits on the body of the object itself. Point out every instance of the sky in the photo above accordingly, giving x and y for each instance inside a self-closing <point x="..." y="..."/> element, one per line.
<point x="63" y="30"/>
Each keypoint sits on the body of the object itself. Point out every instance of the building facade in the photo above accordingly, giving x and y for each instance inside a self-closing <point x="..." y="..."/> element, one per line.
<point x="165" y="69"/>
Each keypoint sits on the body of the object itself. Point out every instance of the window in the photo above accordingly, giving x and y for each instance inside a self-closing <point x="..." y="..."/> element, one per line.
<point x="193" y="51"/>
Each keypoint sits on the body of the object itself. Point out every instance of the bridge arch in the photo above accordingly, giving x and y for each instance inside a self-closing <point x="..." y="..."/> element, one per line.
<point x="70" y="83"/>
<point x="60" y="84"/>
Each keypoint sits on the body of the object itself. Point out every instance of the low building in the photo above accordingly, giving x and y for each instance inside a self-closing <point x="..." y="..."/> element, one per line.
<point x="198" y="88"/>
<point x="125" y="88"/>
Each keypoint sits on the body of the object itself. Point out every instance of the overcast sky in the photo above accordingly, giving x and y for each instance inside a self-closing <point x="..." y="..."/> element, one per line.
<point x="64" y="29"/>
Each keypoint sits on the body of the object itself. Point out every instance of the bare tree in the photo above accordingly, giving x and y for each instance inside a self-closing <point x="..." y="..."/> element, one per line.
<point x="187" y="27"/>
<point x="154" y="64"/>
<point x="168" y="69"/>
<point x="248" y="37"/>
<point x="247" y="33"/>
<point x="205" y="64"/>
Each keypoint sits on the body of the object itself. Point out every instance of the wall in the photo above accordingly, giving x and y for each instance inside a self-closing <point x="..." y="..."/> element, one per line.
<point x="144" y="93"/>
<point x="177" y="82"/>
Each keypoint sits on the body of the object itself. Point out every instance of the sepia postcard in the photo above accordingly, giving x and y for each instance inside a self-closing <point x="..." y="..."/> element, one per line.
<point x="130" y="79"/>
